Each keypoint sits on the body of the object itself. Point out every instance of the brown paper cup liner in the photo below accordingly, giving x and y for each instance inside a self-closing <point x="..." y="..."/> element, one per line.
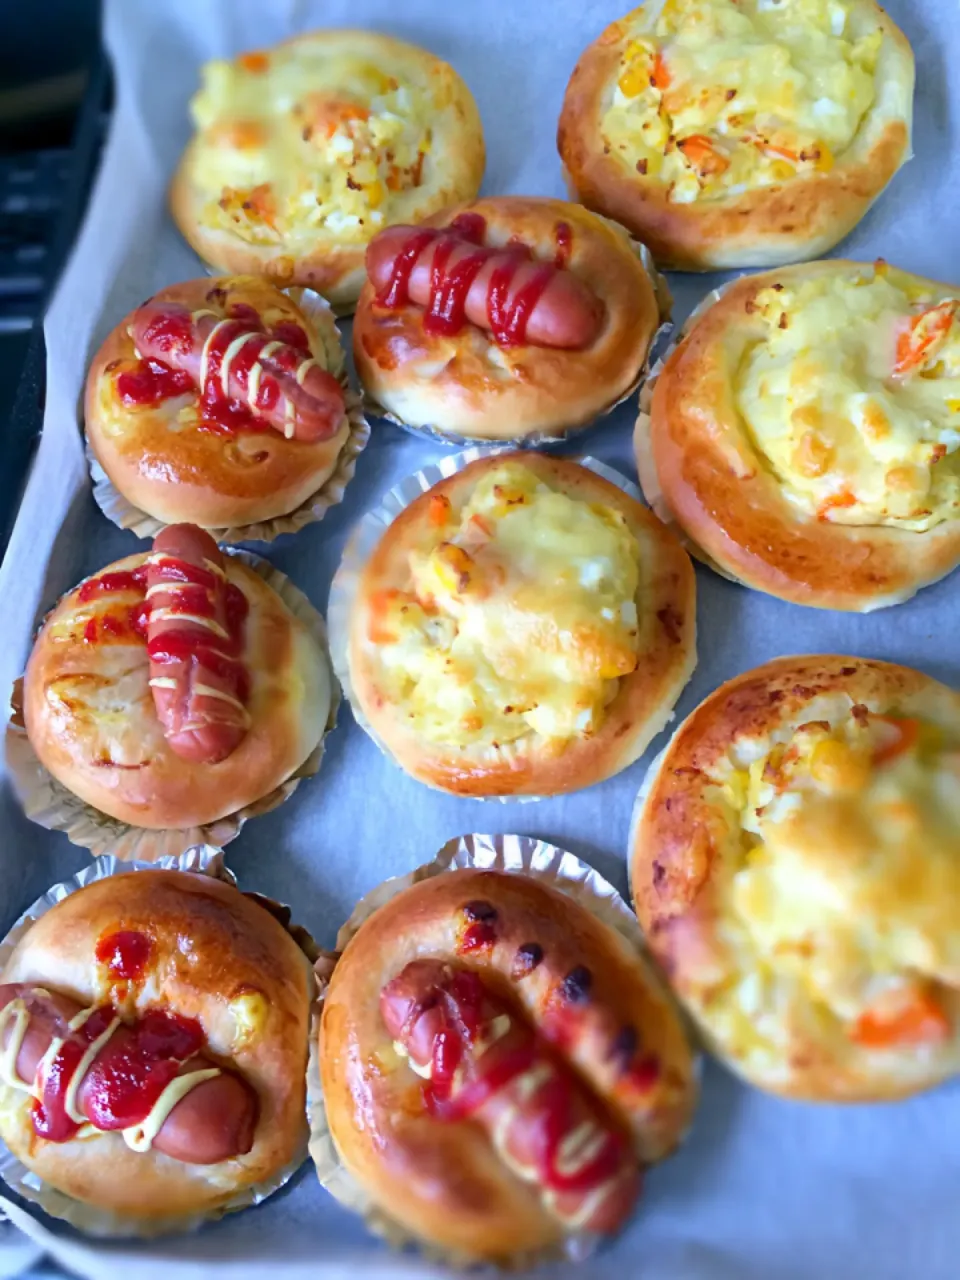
<point x="517" y="855"/>
<point x="122" y="512"/>
<point x="47" y="802"/>
<point x="541" y="439"/>
<point x="363" y="542"/>
<point x="204" y="860"/>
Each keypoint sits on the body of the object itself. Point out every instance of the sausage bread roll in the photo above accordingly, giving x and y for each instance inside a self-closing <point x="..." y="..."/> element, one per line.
<point x="805" y="435"/>
<point x="302" y="153"/>
<point x="739" y="133"/>
<point x="175" y="687"/>
<point x="216" y="403"/>
<point x="523" y="628"/>
<point x="509" y="317"/>
<point x="498" y="1066"/>
<point x="153" y="1045"/>
<point x="796" y="870"/>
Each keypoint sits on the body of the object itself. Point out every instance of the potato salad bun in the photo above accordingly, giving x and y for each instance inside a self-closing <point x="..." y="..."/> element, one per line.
<point x="215" y="403"/>
<point x="523" y="628"/>
<point x="499" y="1066"/>
<point x="805" y="435"/>
<point x="739" y="133"/>
<point x="175" y="687"/>
<point x="304" y="152"/>
<point x="510" y="317"/>
<point x="153" y="1045"/>
<point x="796" y="870"/>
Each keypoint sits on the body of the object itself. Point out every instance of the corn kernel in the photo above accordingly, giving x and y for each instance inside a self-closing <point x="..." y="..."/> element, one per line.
<point x="782" y="170"/>
<point x="825" y="159"/>
<point x="838" y="767"/>
<point x="812" y="455"/>
<point x="452" y="566"/>
<point x="634" y="80"/>
<point x="375" y="195"/>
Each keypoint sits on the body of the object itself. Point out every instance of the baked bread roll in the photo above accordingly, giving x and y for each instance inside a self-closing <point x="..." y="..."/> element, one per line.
<point x="216" y="402"/>
<point x="523" y="628"/>
<point x="508" y="317"/>
<point x="498" y="1065"/>
<point x="150" y="1013"/>
<point x="175" y="687"/>
<point x="739" y="133"/>
<point x="305" y="151"/>
<point x="804" y="435"/>
<point x="796" y="870"/>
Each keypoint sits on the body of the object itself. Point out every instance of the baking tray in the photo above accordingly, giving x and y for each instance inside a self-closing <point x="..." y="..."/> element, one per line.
<point x="762" y="1188"/>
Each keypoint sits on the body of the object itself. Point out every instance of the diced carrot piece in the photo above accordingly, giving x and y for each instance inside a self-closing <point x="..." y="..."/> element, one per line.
<point x="906" y="736"/>
<point x="918" y="1021"/>
<point x="702" y="154"/>
<point x="661" y="72"/>
<point x="843" y="499"/>
<point x="380" y="604"/>
<point x="926" y="332"/>
<point x="782" y="151"/>
<point x="255" y="62"/>
<point x="438" y="510"/>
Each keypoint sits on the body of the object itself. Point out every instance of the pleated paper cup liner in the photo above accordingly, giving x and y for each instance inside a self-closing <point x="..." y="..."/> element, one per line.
<point x="362" y="543"/>
<point x="50" y="804"/>
<point x="330" y="493"/>
<point x="202" y="859"/>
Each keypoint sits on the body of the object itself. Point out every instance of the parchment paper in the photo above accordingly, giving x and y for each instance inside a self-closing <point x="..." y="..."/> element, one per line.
<point x="763" y="1189"/>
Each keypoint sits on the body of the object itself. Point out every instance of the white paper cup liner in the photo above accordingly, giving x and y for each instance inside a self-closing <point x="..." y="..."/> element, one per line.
<point x="204" y="860"/>
<point x="517" y="855"/>
<point x="363" y="542"/>
<point x="122" y="512"/>
<point x="50" y="804"/>
<point x="541" y="439"/>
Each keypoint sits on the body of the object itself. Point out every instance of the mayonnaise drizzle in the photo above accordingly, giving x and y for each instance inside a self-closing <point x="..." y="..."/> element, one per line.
<point x="140" y="1137"/>
<point x="84" y="1065"/>
<point x="229" y="356"/>
<point x="205" y="354"/>
<point x="165" y="615"/>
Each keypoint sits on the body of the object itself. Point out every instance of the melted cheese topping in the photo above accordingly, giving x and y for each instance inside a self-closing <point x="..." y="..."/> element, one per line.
<point x="303" y="141"/>
<point x="716" y="97"/>
<point x="853" y="397"/>
<point x="521" y="615"/>
<point x="839" y="890"/>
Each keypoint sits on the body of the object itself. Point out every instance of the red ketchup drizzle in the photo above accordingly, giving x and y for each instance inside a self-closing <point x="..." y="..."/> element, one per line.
<point x="150" y="382"/>
<point x="476" y="936"/>
<point x="445" y="312"/>
<point x="551" y="1105"/>
<point x="290" y="332"/>
<point x="564" y="238"/>
<point x="130" y="1072"/>
<point x="49" y="1114"/>
<point x="125" y="953"/>
<point x="129" y="625"/>
<point x="217" y="411"/>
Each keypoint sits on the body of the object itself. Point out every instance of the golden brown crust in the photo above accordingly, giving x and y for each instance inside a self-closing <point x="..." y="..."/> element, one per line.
<point x="789" y="222"/>
<point x="335" y="268"/>
<point x="695" y="455"/>
<point x="443" y="1180"/>
<point x="476" y="389"/>
<point x="120" y="762"/>
<point x="645" y="698"/>
<point x="210" y="946"/>
<point x="683" y="851"/>
<point x="192" y="474"/>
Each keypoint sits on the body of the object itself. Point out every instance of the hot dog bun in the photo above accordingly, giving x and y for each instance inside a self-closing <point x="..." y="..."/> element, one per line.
<point x="90" y="714"/>
<point x="376" y="130"/>
<point x="470" y="386"/>
<point x="739" y="134"/>
<point x="523" y="628"/>
<point x="213" y="955"/>
<point x="165" y="461"/>
<point x="796" y="868"/>
<point x="578" y="984"/>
